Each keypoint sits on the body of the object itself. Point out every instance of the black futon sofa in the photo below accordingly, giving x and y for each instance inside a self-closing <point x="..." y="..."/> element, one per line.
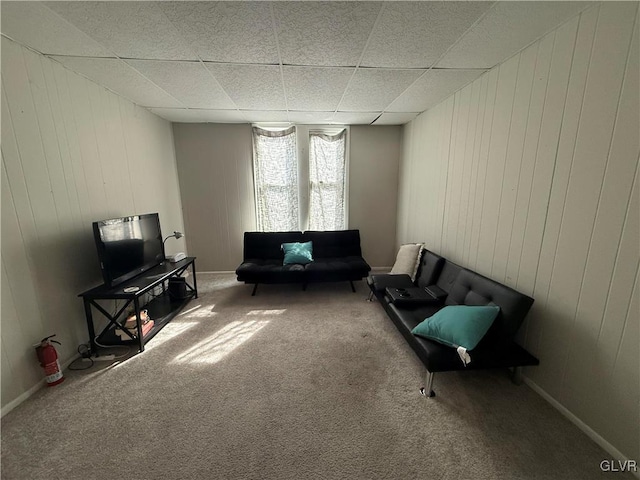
<point x="336" y="257"/>
<point x="438" y="283"/>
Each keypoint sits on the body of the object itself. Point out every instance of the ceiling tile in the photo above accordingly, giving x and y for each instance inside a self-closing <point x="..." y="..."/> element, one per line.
<point x="265" y="116"/>
<point x="324" y="33"/>
<point x="121" y="78"/>
<point x="506" y="29"/>
<point x="395" y="118"/>
<point x="311" y="118"/>
<point x="251" y="87"/>
<point x="240" y="32"/>
<point x="130" y="29"/>
<point x="431" y="88"/>
<point x="315" y="88"/>
<point x="224" y="116"/>
<point x="180" y="115"/>
<point x="416" y="34"/>
<point x="355" y="118"/>
<point x="372" y="89"/>
<point x="34" y="25"/>
<point x="189" y="82"/>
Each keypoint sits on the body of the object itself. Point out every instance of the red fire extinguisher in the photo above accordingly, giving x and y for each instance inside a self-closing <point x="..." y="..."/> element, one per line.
<point x="48" y="358"/>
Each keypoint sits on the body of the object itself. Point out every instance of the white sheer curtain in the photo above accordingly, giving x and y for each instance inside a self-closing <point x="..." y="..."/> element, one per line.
<point x="327" y="181"/>
<point x="275" y="168"/>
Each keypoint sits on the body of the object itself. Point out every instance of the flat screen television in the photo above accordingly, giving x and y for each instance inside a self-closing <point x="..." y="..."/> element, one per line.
<point x="128" y="246"/>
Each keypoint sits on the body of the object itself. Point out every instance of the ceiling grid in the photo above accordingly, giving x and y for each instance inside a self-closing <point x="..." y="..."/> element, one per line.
<point x="302" y="62"/>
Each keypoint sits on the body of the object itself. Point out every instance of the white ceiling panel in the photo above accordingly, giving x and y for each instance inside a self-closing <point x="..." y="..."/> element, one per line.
<point x="374" y="89"/>
<point x="395" y="118"/>
<point x="308" y="62"/>
<point x="130" y="29"/>
<point x="122" y="79"/>
<point x="34" y="25"/>
<point x="224" y="116"/>
<point x="324" y="33"/>
<point x="189" y="82"/>
<point x="179" y="115"/>
<point x="506" y="29"/>
<point x="311" y="118"/>
<point x="251" y="87"/>
<point x="315" y="88"/>
<point x="431" y="88"/>
<point x="266" y="115"/>
<point x="428" y="29"/>
<point x="240" y="32"/>
<point x="355" y="118"/>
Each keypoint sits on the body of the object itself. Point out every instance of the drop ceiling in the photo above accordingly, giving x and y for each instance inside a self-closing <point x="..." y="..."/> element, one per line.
<point x="301" y="62"/>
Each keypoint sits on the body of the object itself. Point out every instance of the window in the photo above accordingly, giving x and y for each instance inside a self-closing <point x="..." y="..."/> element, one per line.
<point x="276" y="179"/>
<point x="327" y="181"/>
<point x="295" y="190"/>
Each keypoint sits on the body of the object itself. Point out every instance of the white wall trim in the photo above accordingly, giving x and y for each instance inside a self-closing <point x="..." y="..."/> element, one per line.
<point x="592" y="434"/>
<point x="18" y="400"/>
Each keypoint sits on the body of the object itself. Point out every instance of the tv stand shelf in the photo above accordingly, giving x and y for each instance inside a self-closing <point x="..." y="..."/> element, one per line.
<point x="161" y="309"/>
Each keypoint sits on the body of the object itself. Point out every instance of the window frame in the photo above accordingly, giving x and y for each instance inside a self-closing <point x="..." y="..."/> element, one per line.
<point x="303" y="133"/>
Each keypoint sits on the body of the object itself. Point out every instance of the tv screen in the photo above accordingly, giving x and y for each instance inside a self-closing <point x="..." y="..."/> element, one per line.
<point x="128" y="246"/>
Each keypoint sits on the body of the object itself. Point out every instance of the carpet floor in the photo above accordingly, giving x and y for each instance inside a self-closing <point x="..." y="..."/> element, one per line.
<point x="287" y="385"/>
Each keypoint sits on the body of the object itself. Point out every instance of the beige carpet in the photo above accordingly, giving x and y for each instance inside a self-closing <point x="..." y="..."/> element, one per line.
<point x="287" y="385"/>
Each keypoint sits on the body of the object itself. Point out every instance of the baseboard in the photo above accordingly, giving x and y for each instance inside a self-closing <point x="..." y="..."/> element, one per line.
<point x="21" y="398"/>
<point x="592" y="434"/>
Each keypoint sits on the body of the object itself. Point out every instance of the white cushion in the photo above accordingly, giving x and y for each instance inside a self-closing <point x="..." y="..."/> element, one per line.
<point x="408" y="260"/>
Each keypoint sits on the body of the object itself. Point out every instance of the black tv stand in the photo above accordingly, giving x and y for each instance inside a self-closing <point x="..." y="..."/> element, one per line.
<point x="161" y="309"/>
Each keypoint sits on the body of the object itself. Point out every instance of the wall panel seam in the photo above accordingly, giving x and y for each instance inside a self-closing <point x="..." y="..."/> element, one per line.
<point x="126" y="151"/>
<point x="524" y="141"/>
<point x="626" y="318"/>
<point x="526" y="225"/>
<point x="546" y="214"/>
<point x="44" y="152"/>
<point x="504" y="167"/>
<point x="484" y="180"/>
<point x="94" y="117"/>
<point x="19" y="161"/>
<point x="444" y="208"/>
<point x="566" y="192"/>
<point x="617" y="254"/>
<point x="595" y="217"/>
<point x="604" y="176"/>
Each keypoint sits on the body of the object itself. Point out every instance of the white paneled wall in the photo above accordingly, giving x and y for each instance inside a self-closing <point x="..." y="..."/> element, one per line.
<point x="529" y="175"/>
<point x="216" y="182"/>
<point x="215" y="167"/>
<point x="72" y="153"/>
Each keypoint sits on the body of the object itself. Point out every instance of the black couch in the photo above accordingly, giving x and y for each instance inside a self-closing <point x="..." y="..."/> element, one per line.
<point x="336" y="257"/>
<point x="451" y="284"/>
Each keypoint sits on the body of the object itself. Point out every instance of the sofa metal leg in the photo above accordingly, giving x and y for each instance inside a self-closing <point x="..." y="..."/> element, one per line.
<point x="255" y="287"/>
<point x="516" y="375"/>
<point x="428" y="390"/>
<point x="370" y="297"/>
<point x="353" y="287"/>
<point x="304" y="287"/>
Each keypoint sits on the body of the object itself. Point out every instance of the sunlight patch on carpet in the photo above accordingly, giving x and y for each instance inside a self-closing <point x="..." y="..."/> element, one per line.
<point x="267" y="312"/>
<point x="220" y="344"/>
<point x="169" y="331"/>
<point x="199" y="311"/>
<point x="189" y="311"/>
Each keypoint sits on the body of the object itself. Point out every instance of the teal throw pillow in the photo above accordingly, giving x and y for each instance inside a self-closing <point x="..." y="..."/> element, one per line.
<point x="301" y="253"/>
<point x="458" y="325"/>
